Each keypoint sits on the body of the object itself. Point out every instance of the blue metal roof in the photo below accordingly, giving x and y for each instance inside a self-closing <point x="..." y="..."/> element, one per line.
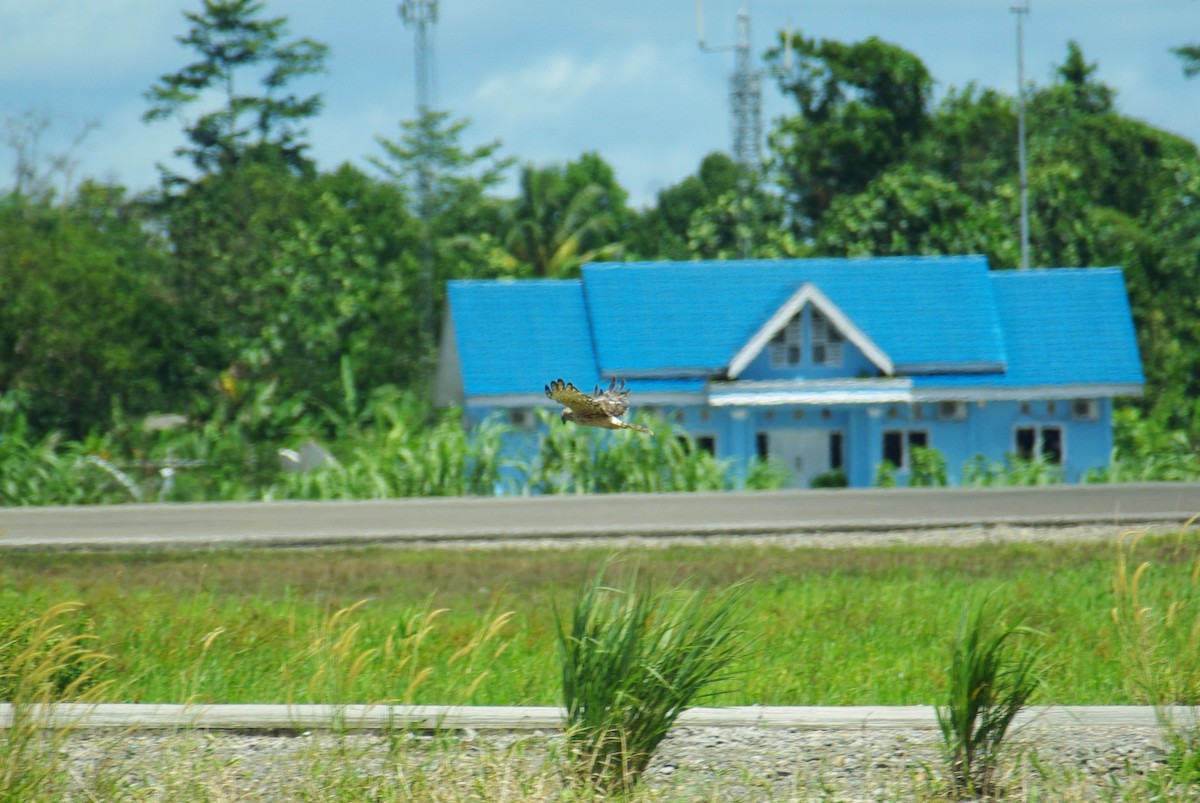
<point x="1062" y="326"/>
<point x="947" y="321"/>
<point x="515" y="336"/>
<point x="676" y="317"/>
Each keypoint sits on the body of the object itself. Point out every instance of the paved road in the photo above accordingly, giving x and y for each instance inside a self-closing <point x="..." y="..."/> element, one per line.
<point x="313" y="523"/>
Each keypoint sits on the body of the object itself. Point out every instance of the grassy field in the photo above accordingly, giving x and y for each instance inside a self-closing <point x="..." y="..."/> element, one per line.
<point x="863" y="626"/>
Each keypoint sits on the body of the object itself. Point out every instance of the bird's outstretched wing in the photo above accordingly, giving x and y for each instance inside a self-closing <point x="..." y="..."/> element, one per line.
<point x="568" y="395"/>
<point x="614" y="399"/>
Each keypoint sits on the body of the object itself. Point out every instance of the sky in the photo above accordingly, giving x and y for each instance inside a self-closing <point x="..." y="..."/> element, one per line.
<point x="552" y="79"/>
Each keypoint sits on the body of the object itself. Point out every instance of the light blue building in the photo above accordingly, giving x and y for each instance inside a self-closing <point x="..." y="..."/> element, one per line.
<point x="825" y="364"/>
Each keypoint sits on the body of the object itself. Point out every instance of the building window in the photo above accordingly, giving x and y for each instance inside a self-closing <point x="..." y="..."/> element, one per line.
<point x="835" y="450"/>
<point x="699" y="443"/>
<point x="762" y="445"/>
<point x="521" y="419"/>
<point x="1036" y="441"/>
<point x="787" y="344"/>
<point x="826" y="341"/>
<point x="897" y="444"/>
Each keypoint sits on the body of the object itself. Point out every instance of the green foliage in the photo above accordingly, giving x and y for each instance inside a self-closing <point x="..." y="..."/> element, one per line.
<point x="573" y="459"/>
<point x="861" y="106"/>
<point x="87" y="322"/>
<point x="991" y="680"/>
<point x="232" y="41"/>
<point x="907" y="212"/>
<point x="567" y="215"/>
<point x="928" y="467"/>
<point x="264" y="271"/>
<point x="662" y="230"/>
<point x="1012" y="470"/>
<point x="831" y="479"/>
<point x="383" y="443"/>
<point x="633" y="659"/>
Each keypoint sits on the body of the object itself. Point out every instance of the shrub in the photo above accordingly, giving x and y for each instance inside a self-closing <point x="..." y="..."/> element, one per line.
<point x="928" y="468"/>
<point x="632" y="660"/>
<point x="990" y="681"/>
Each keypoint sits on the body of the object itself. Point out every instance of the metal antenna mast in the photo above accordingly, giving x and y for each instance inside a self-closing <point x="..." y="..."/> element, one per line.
<point x="1021" y="12"/>
<point x="421" y="15"/>
<point x="745" y="100"/>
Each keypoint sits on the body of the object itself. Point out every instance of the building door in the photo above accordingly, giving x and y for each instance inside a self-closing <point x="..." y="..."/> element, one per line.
<point x="805" y="452"/>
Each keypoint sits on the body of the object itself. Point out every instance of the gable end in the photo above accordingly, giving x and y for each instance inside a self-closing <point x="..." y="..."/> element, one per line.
<point x="808" y="293"/>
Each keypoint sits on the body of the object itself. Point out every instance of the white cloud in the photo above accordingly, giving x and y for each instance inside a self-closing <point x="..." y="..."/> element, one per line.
<point x="558" y="84"/>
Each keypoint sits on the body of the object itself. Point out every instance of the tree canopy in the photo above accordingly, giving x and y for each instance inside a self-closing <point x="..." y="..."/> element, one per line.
<point x="260" y="268"/>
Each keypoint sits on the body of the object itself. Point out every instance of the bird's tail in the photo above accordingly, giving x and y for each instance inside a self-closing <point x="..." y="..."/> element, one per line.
<point x="627" y="425"/>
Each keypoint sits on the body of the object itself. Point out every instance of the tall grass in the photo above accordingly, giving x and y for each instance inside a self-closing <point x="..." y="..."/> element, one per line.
<point x="152" y="613"/>
<point x="632" y="660"/>
<point x="42" y="661"/>
<point x="1158" y="624"/>
<point x="573" y="459"/>
<point x="991" y="679"/>
<point x="381" y="444"/>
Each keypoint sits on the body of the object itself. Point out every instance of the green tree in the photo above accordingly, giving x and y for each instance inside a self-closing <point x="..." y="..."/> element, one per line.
<point x="661" y="232"/>
<point x="1189" y="54"/>
<point x="971" y="141"/>
<point x="566" y="215"/>
<point x="447" y="190"/>
<point x="284" y="274"/>
<point x="85" y="325"/>
<point x="232" y="41"/>
<point x="861" y="107"/>
<point x="907" y="212"/>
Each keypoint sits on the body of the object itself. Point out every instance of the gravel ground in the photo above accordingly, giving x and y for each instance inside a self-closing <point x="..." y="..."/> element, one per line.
<point x="726" y="764"/>
<point x="822" y="539"/>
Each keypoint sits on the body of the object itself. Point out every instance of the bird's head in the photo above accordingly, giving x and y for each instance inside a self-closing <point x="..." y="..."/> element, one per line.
<point x="568" y="415"/>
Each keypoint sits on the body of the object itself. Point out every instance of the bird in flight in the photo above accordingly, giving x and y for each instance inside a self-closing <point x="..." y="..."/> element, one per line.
<point x="603" y="408"/>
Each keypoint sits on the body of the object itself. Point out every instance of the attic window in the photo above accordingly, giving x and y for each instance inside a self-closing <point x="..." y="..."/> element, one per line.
<point x="786" y="345"/>
<point x="826" y="341"/>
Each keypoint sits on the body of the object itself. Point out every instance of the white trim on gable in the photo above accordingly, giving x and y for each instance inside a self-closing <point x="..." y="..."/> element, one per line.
<point x="808" y="293"/>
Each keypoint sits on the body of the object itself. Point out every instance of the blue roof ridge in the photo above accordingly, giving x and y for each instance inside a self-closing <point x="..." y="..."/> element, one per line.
<point x="1064" y="271"/>
<point x="791" y="261"/>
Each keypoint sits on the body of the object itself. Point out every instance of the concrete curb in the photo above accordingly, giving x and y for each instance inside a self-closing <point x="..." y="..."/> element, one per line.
<point x="116" y="716"/>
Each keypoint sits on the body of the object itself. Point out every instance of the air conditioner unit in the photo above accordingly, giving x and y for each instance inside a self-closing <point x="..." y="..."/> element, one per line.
<point x="952" y="411"/>
<point x="1085" y="410"/>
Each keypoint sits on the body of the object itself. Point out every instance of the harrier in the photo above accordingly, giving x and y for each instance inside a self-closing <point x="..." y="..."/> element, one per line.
<point x="603" y="408"/>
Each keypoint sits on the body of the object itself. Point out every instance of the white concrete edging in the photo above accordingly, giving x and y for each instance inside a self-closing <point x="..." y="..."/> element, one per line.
<point x="436" y="717"/>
